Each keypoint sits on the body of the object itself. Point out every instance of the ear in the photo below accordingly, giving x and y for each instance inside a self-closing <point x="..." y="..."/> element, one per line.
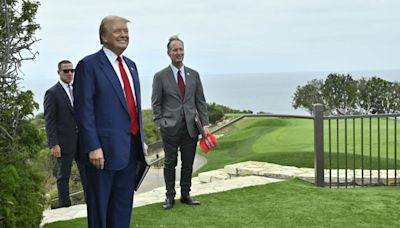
<point x="103" y="38"/>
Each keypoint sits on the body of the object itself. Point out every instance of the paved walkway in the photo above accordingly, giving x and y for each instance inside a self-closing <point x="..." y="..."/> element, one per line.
<point x="230" y="177"/>
<point x="155" y="176"/>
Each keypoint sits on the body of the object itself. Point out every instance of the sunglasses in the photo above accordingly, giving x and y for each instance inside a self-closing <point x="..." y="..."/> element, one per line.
<point x="68" y="70"/>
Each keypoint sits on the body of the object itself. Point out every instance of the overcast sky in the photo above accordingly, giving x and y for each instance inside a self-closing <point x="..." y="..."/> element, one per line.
<point x="225" y="36"/>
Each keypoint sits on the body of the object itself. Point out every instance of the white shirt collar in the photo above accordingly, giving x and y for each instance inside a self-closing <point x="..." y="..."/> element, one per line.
<point x="65" y="85"/>
<point x="175" y="71"/>
<point x="111" y="56"/>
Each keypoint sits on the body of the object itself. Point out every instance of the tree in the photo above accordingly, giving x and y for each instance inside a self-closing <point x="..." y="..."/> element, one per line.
<point x="377" y="96"/>
<point x="306" y="96"/>
<point x="342" y="95"/>
<point x="395" y="97"/>
<point x="215" y="112"/>
<point x="17" y="28"/>
<point x="340" y="92"/>
<point x="21" y="197"/>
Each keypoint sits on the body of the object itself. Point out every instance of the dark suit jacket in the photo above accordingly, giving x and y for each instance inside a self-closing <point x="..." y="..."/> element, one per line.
<point x="102" y="114"/>
<point x="59" y="118"/>
<point x="169" y="107"/>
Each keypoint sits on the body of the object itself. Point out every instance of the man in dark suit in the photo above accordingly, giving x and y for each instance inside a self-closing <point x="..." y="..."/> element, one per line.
<point x="176" y="99"/>
<point x="61" y="130"/>
<point x="109" y="118"/>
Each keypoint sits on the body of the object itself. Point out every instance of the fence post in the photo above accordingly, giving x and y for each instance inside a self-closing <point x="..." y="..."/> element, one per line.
<point x="319" y="144"/>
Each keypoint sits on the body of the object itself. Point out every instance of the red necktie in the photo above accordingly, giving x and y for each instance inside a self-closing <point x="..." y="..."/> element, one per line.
<point x="130" y="101"/>
<point x="181" y="84"/>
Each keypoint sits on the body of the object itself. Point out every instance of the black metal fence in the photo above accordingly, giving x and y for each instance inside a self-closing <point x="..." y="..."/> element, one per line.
<point x="361" y="149"/>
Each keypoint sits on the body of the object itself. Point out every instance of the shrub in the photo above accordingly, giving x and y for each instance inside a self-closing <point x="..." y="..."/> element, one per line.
<point x="21" y="195"/>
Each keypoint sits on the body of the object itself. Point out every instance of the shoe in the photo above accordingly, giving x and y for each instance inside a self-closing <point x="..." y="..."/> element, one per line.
<point x="169" y="203"/>
<point x="59" y="206"/>
<point x="189" y="200"/>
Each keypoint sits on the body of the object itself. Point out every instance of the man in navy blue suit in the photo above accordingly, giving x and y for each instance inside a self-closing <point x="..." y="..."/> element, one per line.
<point x="108" y="114"/>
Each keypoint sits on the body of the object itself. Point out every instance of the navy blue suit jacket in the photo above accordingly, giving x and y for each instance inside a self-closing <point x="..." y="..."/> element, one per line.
<point x="102" y="114"/>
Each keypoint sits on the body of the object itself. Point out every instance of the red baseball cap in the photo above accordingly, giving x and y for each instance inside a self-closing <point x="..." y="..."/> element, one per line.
<point x="208" y="143"/>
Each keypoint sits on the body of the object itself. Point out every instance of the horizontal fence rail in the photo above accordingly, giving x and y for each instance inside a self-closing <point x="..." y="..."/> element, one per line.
<point x="361" y="149"/>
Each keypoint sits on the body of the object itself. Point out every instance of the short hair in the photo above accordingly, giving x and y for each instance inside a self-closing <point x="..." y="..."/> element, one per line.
<point x="105" y="23"/>
<point x="173" y="38"/>
<point x="63" y="62"/>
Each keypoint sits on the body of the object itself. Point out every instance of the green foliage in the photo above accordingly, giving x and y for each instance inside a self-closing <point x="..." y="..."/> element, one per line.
<point x="21" y="195"/>
<point x="18" y="29"/>
<point x="151" y="133"/>
<point x="226" y="109"/>
<point x="339" y="93"/>
<point x="216" y="112"/>
<point x="308" y="95"/>
<point x="38" y="121"/>
<point x="342" y="95"/>
<point x="18" y="107"/>
<point x="379" y="95"/>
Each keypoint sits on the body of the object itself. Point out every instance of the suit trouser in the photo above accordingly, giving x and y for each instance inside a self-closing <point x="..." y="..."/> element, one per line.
<point x="110" y="193"/>
<point x="64" y="165"/>
<point x="187" y="146"/>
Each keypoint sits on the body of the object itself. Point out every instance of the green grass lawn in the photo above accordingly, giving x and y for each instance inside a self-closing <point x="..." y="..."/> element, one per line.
<point x="286" y="204"/>
<point x="289" y="141"/>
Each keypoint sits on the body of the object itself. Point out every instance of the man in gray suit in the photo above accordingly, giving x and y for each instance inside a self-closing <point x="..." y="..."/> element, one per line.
<point x="61" y="130"/>
<point x="176" y="99"/>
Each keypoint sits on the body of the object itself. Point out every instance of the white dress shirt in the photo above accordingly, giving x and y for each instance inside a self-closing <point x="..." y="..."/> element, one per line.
<point x="175" y="71"/>
<point x="65" y="86"/>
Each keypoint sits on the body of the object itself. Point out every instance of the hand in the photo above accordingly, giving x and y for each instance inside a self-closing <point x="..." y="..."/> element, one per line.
<point x="206" y="130"/>
<point x="56" y="151"/>
<point x="96" y="157"/>
<point x="145" y="147"/>
<point x="208" y="140"/>
<point x="209" y="143"/>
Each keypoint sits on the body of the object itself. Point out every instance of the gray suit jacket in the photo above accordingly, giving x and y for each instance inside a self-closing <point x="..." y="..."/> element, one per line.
<point x="170" y="108"/>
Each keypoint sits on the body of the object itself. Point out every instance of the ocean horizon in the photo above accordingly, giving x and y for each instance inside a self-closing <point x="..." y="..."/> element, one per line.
<point x="259" y="92"/>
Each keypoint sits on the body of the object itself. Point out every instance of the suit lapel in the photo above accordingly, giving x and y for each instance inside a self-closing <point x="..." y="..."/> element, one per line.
<point x="65" y="97"/>
<point x="189" y="83"/>
<point x="112" y="77"/>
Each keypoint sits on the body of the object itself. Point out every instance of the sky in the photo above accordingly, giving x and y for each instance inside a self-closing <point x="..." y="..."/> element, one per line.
<point x="224" y="36"/>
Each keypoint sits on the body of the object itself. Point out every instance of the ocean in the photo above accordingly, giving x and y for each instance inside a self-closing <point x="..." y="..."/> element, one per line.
<point x="262" y="92"/>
